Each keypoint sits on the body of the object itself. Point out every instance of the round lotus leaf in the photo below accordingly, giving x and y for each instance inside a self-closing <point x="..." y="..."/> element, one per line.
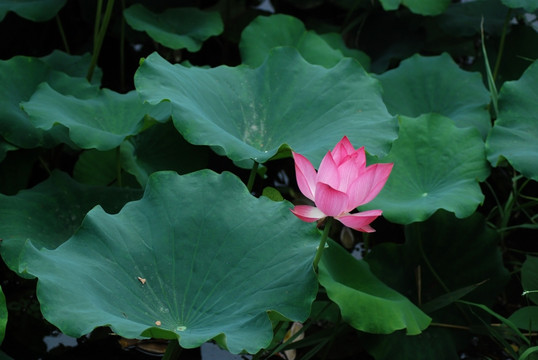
<point x="436" y="166"/>
<point x="267" y="32"/>
<point x="515" y="132"/>
<point x="247" y="113"/>
<point x="197" y="258"/>
<point x="176" y="28"/>
<point x="365" y="302"/>
<point x="435" y="84"/>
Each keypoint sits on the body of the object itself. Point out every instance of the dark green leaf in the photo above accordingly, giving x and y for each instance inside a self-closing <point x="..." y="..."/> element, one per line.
<point x="267" y="32"/>
<point x="48" y="214"/>
<point x="41" y="10"/>
<point x="177" y="28"/>
<point x="515" y="131"/>
<point x="366" y="303"/>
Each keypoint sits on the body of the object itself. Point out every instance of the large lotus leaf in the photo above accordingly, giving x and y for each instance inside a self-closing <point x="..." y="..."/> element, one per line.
<point x="462" y="252"/>
<point x="267" y="32"/>
<point x="19" y="79"/>
<point x="196" y="258"/>
<point x="436" y="84"/>
<point x="422" y="7"/>
<point x="515" y="131"/>
<point x="48" y="214"/>
<point x="176" y="28"/>
<point x="33" y="10"/>
<point x="528" y="5"/>
<point x="436" y="166"/>
<point x="365" y="302"/>
<point x="248" y="113"/>
<point x="158" y="148"/>
<point x="529" y="277"/>
<point x="101" y="122"/>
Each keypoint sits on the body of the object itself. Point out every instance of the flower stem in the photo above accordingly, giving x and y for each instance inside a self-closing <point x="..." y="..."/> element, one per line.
<point x="252" y="176"/>
<point x="322" y="242"/>
<point x="99" y="34"/>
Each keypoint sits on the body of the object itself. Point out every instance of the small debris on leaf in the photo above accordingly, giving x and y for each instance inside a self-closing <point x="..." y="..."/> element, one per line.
<point x="142" y="280"/>
<point x="158" y="323"/>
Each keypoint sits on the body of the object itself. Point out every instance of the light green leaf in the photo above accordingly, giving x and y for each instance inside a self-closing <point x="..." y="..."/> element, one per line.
<point x="436" y="84"/>
<point x="48" y="214"/>
<point x="436" y="166"/>
<point x="421" y="7"/>
<point x="366" y="303"/>
<point x="176" y="28"/>
<point x="34" y="10"/>
<point x="174" y="265"/>
<point x="528" y="5"/>
<point x="515" y="131"/>
<point x="102" y="122"/>
<point x="267" y="32"/>
<point x="247" y="113"/>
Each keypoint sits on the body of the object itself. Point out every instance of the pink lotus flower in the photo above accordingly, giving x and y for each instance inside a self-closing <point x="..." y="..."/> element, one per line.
<point x="342" y="183"/>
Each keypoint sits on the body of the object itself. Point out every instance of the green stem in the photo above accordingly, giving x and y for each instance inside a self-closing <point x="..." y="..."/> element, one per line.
<point x="98" y="40"/>
<point x="62" y="34"/>
<point x="252" y="176"/>
<point x="173" y="350"/>
<point x="97" y="23"/>
<point x="501" y="44"/>
<point x="322" y="242"/>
